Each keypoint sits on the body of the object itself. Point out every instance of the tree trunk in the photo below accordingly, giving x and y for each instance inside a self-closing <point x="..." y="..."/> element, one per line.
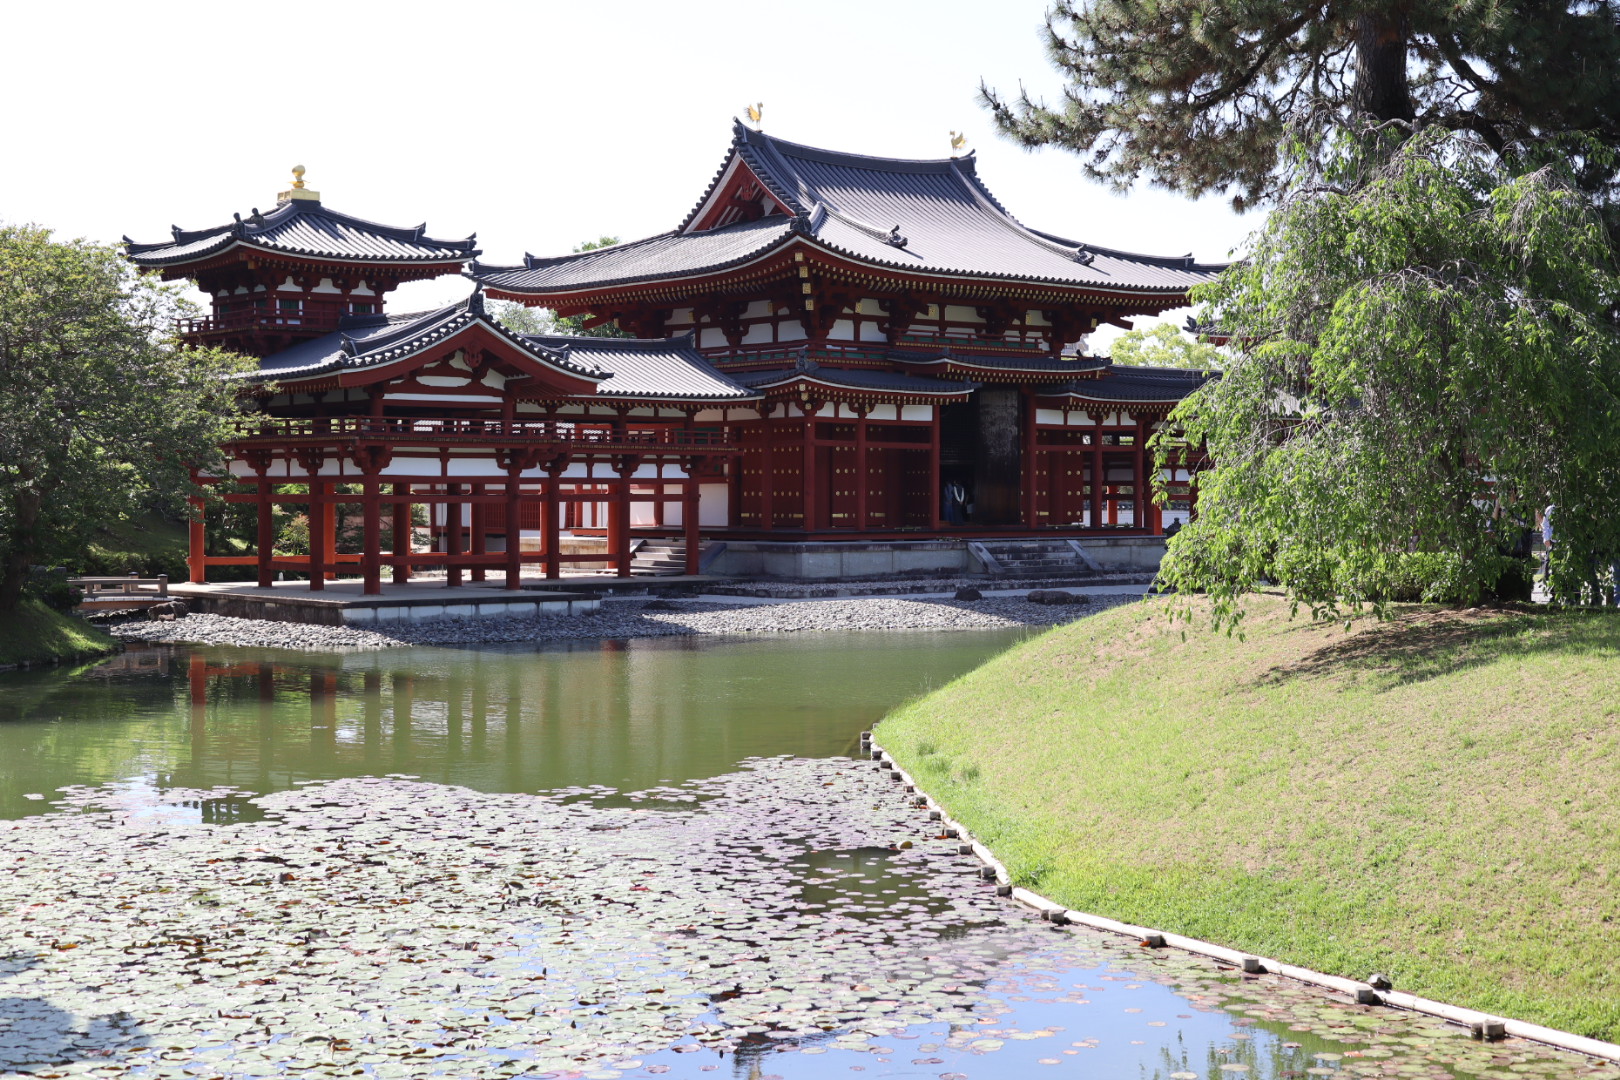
<point x="1381" y="87"/>
<point x="14" y="571"/>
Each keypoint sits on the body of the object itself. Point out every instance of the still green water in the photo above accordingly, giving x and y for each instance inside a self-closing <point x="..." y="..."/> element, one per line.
<point x="623" y="714"/>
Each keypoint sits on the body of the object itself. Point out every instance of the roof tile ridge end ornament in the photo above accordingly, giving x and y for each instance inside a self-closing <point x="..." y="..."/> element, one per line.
<point x="1168" y="262"/>
<point x="889" y="236"/>
<point x="1074" y="250"/>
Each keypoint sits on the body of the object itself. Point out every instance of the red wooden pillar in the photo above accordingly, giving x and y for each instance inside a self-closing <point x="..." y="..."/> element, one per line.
<point x="734" y="480"/>
<point x="198" y="553"/>
<point x="1139" y="477"/>
<point x="767" y="478"/>
<point x="267" y="531"/>
<point x="514" y="530"/>
<point x="862" y="481"/>
<point x="619" y="523"/>
<point x="550" y="533"/>
<point x="371" y="551"/>
<point x="480" y="534"/>
<point x="811" y="478"/>
<point x="1097" y="475"/>
<point x="689" y="522"/>
<point x="319" y="511"/>
<point x="454" y="539"/>
<point x="1031" y="474"/>
<point x="402" y="534"/>
<point x="936" y="487"/>
<point x="331" y="533"/>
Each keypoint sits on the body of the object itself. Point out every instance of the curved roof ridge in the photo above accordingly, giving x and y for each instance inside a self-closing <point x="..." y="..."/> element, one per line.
<point x="854" y="160"/>
<point x="1176" y="262"/>
<point x="687" y="340"/>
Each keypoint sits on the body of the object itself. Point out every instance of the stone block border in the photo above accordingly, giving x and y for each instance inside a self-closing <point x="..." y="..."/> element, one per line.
<point x="1481" y="1025"/>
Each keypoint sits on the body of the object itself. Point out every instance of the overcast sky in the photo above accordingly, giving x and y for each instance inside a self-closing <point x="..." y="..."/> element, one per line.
<point x="537" y="125"/>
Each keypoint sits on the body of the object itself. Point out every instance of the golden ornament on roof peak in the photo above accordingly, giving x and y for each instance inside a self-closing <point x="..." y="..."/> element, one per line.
<point x="298" y="190"/>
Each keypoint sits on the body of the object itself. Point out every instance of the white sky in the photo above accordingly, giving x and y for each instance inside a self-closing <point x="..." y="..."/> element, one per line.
<point x="536" y="124"/>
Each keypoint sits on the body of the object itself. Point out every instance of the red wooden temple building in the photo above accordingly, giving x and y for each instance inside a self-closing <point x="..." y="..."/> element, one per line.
<point x="829" y="347"/>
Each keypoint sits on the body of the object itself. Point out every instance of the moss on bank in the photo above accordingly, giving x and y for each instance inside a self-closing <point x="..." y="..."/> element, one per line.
<point x="35" y="634"/>
<point x="1432" y="797"/>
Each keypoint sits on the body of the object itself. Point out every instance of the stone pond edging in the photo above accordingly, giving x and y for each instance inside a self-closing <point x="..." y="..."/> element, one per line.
<point x="1482" y="1025"/>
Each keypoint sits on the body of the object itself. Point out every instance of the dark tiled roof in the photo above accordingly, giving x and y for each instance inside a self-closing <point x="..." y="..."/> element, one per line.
<point x="641" y="368"/>
<point x="863" y="207"/>
<point x="1122" y="383"/>
<point x="307" y="228"/>
<point x="657" y="257"/>
<point x="369" y="340"/>
<point x="1035" y="363"/>
<point x="853" y="379"/>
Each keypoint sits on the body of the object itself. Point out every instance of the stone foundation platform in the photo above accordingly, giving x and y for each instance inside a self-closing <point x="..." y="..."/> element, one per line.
<point x="341" y="604"/>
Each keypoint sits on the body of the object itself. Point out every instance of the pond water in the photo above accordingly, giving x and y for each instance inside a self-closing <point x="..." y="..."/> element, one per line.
<point x="608" y="860"/>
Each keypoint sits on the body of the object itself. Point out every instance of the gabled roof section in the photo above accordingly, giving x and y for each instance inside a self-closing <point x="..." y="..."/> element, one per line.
<point x="860" y="379"/>
<point x="645" y="368"/>
<point x="304" y="228"/>
<point x="932" y="217"/>
<point x="990" y="365"/>
<point x="367" y="341"/>
<point x="1141" y="384"/>
<point x="666" y="256"/>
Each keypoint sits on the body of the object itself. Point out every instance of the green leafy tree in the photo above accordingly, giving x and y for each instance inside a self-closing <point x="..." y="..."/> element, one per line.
<point x="1162" y="345"/>
<point x="1203" y="97"/>
<point x="522" y="319"/>
<point x="101" y="409"/>
<point x="1425" y="352"/>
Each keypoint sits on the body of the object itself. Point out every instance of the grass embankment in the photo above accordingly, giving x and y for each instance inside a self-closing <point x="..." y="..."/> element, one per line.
<point x="1437" y="797"/>
<point x="34" y="634"/>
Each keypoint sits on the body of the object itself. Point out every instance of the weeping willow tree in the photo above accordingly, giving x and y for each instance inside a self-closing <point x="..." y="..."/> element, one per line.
<point x="1424" y="352"/>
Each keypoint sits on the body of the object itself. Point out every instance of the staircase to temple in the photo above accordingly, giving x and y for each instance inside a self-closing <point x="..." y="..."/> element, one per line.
<point x="656" y="558"/>
<point x="1033" y="558"/>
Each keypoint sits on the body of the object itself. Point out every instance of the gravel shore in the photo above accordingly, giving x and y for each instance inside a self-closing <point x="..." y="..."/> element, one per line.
<point x="630" y="618"/>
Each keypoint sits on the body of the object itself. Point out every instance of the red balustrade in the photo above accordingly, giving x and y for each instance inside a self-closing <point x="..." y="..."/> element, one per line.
<point x="439" y="430"/>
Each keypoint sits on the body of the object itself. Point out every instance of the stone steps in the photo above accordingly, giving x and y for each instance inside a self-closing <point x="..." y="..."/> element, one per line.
<point x="1033" y="558"/>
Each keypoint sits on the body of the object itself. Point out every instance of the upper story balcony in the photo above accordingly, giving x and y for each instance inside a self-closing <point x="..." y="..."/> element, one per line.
<point x="340" y="432"/>
<point x="302" y="323"/>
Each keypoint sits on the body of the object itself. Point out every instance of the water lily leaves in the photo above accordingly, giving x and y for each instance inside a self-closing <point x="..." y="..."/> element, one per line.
<point x="387" y="927"/>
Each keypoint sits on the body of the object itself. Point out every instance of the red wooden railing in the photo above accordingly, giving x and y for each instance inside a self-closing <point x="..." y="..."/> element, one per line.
<point x="394" y="429"/>
<point x="322" y="319"/>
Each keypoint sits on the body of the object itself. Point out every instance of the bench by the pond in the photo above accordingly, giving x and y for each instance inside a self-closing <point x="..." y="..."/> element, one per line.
<point x="108" y="593"/>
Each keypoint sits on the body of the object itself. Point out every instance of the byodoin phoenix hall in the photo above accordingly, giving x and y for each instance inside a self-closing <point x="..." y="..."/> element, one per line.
<point x="828" y="348"/>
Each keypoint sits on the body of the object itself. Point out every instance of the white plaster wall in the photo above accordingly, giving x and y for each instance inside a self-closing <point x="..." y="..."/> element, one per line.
<point x="916" y="412"/>
<point x="714" y="505"/>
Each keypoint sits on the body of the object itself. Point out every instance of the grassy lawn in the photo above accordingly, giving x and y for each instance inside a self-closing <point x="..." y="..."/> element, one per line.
<point x="35" y="634"/>
<point x="1437" y="797"/>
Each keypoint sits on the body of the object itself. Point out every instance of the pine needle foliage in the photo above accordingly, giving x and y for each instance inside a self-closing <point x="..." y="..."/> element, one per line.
<point x="1201" y="96"/>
